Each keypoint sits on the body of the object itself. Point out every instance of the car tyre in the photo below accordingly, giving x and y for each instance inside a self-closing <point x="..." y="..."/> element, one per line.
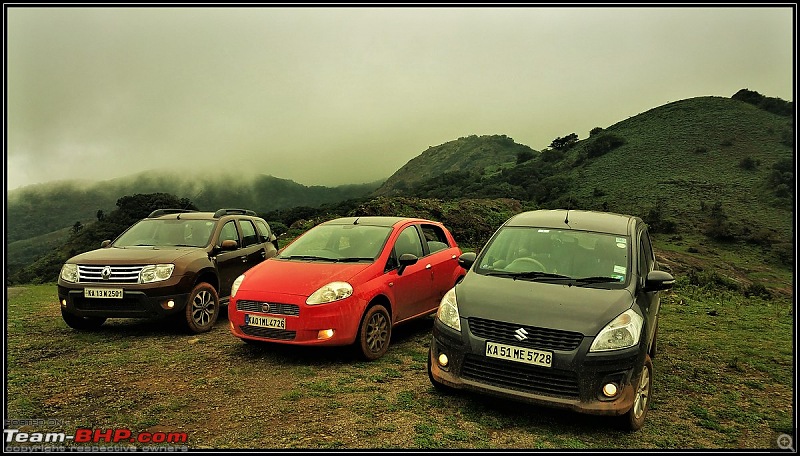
<point x="374" y="333"/>
<point x="82" y="323"/>
<point x="202" y="308"/>
<point x="634" y="419"/>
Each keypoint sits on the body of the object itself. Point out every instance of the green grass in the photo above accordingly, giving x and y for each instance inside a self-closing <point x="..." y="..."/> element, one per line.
<point x="722" y="380"/>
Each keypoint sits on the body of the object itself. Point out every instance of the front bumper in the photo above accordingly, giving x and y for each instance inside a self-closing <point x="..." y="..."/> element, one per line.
<point x="574" y="381"/>
<point x="138" y="300"/>
<point x="302" y="322"/>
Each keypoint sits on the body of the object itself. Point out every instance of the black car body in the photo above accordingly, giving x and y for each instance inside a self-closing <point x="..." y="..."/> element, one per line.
<point x="172" y="263"/>
<point x="560" y="309"/>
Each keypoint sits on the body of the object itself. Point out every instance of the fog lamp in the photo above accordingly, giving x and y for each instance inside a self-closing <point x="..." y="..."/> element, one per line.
<point x="610" y="390"/>
<point x="442" y="359"/>
<point x="168" y="304"/>
<point x="324" y="334"/>
<point x="63" y="303"/>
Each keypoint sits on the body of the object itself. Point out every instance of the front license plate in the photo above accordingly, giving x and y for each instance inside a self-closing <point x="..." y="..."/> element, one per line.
<point x="264" y="322"/>
<point x="105" y="293"/>
<point x="519" y="354"/>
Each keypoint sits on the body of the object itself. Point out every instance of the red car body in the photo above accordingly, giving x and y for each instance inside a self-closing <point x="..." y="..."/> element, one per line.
<point x="405" y="268"/>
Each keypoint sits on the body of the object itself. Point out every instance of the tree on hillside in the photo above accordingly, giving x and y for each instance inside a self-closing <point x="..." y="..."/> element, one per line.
<point x="564" y="143"/>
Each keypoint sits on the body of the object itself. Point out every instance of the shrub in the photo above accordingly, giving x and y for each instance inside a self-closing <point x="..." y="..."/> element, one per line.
<point x="603" y="144"/>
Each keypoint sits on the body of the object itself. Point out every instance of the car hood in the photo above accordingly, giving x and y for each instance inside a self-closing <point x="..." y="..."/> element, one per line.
<point x="301" y="278"/>
<point x="541" y="304"/>
<point x="135" y="255"/>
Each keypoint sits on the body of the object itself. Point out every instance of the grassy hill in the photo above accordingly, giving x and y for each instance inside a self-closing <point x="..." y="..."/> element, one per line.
<point x="480" y="153"/>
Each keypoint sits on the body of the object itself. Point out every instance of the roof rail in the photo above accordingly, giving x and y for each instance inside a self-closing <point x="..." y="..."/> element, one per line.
<point x="222" y="212"/>
<point x="160" y="212"/>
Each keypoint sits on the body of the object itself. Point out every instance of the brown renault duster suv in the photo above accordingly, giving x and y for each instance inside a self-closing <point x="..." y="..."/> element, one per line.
<point x="173" y="263"/>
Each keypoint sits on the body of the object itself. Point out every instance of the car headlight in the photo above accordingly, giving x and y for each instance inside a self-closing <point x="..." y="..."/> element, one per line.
<point x="622" y="332"/>
<point x="235" y="286"/>
<point x="333" y="291"/>
<point x="156" y="273"/>
<point x="448" y="310"/>
<point x="69" y="272"/>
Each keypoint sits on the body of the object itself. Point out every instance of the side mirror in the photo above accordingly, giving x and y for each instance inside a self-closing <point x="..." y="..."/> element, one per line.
<point x="229" y="244"/>
<point x="406" y="259"/>
<point x="105" y="244"/>
<point x="466" y="260"/>
<point x="657" y="281"/>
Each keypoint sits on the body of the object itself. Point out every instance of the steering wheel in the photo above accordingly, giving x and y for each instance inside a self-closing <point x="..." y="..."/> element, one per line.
<point x="524" y="264"/>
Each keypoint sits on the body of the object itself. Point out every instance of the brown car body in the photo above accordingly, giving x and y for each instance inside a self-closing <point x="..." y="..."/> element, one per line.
<point x="172" y="263"/>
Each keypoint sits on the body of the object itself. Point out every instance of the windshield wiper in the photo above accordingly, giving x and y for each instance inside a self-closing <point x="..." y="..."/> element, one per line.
<point x="308" y="257"/>
<point x="354" y="259"/>
<point x="530" y="275"/>
<point x="598" y="279"/>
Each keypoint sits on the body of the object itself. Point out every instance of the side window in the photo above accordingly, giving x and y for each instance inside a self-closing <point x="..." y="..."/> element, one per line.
<point x="408" y="242"/>
<point x="229" y="233"/>
<point x="248" y="233"/>
<point x="264" y="232"/>
<point x="435" y="238"/>
<point x="647" y="257"/>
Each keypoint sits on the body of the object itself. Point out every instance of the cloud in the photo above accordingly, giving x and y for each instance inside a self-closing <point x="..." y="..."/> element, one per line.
<point x="329" y="96"/>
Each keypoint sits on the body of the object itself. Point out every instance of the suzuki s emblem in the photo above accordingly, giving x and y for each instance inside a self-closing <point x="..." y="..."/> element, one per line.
<point x="521" y="334"/>
<point x="265" y="307"/>
<point x="106" y="273"/>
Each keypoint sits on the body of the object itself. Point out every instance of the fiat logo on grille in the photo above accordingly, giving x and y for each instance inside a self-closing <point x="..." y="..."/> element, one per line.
<point x="265" y="307"/>
<point x="106" y="273"/>
<point x="521" y="334"/>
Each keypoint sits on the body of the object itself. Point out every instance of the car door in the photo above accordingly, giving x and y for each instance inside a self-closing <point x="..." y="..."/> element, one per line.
<point x="413" y="287"/>
<point x="230" y="263"/>
<point x="650" y="302"/>
<point x="443" y="259"/>
<point x="251" y="243"/>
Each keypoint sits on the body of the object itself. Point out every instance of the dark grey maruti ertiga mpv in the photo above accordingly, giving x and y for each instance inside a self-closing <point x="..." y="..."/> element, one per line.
<point x="560" y="309"/>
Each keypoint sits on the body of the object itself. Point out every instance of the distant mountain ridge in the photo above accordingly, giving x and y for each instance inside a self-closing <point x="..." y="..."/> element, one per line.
<point x="713" y="177"/>
<point x="44" y="208"/>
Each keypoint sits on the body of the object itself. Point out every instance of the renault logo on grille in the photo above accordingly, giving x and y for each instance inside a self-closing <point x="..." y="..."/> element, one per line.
<point x="106" y="273"/>
<point x="521" y="334"/>
<point x="265" y="307"/>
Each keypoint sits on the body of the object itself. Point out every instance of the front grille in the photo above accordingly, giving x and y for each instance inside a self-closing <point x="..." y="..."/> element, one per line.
<point x="119" y="274"/>
<point x="520" y="377"/>
<point x="274" y="308"/>
<point x="542" y="338"/>
<point x="268" y="333"/>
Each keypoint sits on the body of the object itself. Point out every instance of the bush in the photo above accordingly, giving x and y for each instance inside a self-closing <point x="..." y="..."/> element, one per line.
<point x="603" y="144"/>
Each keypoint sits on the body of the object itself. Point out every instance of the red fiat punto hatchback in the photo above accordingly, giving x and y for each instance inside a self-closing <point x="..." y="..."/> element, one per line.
<point x="347" y="281"/>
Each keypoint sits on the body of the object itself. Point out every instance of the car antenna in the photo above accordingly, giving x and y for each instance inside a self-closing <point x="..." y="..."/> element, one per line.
<point x="355" y="222"/>
<point x="188" y="202"/>
<point x="566" y="216"/>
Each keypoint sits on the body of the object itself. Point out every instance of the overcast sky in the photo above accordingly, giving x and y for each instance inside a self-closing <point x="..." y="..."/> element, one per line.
<point x="330" y="96"/>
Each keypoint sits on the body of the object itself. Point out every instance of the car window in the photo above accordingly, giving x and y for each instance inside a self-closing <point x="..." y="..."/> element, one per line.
<point x="408" y="242"/>
<point x="646" y="254"/>
<point x="570" y="253"/>
<point x="434" y="237"/>
<point x="339" y="242"/>
<point x="248" y="233"/>
<point x="264" y="231"/>
<point x="229" y="232"/>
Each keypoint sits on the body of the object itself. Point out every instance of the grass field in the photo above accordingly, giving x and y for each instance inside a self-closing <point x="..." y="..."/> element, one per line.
<point x="724" y="379"/>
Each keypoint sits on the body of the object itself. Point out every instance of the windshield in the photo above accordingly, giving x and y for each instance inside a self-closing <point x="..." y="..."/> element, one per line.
<point x="339" y="243"/>
<point x="167" y="233"/>
<point x="556" y="255"/>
